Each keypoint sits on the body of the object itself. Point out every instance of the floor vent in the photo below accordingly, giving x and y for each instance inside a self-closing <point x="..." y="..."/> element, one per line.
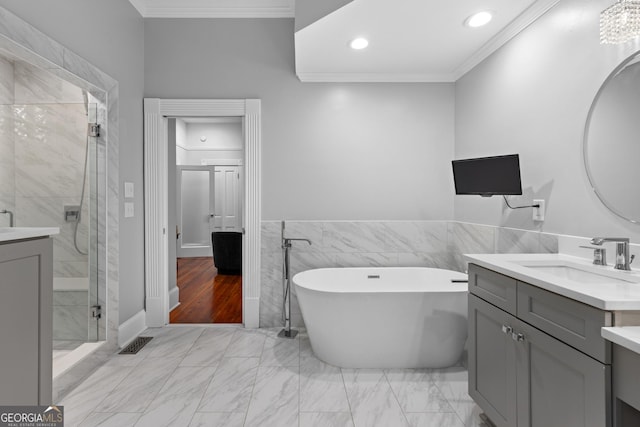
<point x="136" y="345"/>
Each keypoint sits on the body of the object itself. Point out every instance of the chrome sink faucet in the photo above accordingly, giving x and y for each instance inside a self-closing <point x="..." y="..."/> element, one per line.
<point x="5" y="211"/>
<point x="623" y="260"/>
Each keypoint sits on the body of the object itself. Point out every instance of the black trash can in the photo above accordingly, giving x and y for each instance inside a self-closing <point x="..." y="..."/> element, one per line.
<point x="227" y="251"/>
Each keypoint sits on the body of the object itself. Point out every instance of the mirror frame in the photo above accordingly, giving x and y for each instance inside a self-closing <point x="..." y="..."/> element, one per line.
<point x="585" y="139"/>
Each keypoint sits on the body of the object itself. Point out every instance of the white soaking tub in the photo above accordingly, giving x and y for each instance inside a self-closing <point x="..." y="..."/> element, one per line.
<point x="391" y="317"/>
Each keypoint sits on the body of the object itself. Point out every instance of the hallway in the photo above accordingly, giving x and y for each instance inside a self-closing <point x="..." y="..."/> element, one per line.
<point x="205" y="295"/>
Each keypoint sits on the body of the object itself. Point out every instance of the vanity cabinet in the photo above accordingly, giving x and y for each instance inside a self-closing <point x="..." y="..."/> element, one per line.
<point x="626" y="387"/>
<point x="26" y="317"/>
<point x="534" y="357"/>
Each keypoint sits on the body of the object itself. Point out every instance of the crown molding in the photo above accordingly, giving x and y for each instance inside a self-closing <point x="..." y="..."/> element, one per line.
<point x="215" y="8"/>
<point x="526" y="18"/>
<point x="140" y="5"/>
<point x="313" y="77"/>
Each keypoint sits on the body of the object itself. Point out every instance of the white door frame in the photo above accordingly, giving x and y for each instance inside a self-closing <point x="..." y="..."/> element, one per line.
<point x="156" y="112"/>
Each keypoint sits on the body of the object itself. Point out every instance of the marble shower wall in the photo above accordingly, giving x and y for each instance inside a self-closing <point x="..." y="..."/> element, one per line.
<point x="7" y="179"/>
<point x="438" y="244"/>
<point x="43" y="124"/>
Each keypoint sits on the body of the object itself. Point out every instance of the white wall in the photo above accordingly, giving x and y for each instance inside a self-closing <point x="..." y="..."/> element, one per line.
<point x="224" y="141"/>
<point x="221" y="136"/>
<point x="110" y="36"/>
<point x="532" y="97"/>
<point x="330" y="151"/>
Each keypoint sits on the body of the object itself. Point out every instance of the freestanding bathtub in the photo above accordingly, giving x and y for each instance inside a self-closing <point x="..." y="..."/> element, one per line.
<point x="384" y="317"/>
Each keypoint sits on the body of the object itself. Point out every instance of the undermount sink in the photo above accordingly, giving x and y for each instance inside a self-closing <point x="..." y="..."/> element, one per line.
<point x="581" y="273"/>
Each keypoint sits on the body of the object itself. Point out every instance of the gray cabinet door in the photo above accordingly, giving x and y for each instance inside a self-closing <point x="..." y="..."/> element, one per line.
<point x="26" y="322"/>
<point x="492" y="363"/>
<point x="559" y="386"/>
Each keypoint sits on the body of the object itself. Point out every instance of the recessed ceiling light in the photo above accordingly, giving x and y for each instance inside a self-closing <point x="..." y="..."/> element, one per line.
<point x="359" y="43"/>
<point x="478" y="19"/>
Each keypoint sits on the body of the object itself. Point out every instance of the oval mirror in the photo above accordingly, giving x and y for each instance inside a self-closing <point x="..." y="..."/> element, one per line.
<point x="611" y="143"/>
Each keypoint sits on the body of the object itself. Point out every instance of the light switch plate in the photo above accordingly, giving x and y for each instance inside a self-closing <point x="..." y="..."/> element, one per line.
<point x="128" y="190"/>
<point x="128" y="210"/>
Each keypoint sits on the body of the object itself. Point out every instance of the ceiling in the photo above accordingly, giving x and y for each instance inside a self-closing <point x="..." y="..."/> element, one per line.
<point x="409" y="40"/>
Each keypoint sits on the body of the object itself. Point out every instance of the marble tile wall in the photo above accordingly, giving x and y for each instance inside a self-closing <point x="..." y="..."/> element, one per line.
<point x="438" y="244"/>
<point x="70" y="321"/>
<point x="43" y="125"/>
<point x="7" y="189"/>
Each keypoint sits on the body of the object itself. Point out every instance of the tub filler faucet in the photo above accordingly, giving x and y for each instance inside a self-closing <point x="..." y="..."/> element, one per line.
<point x="286" y="283"/>
<point x="5" y="211"/>
<point x="623" y="260"/>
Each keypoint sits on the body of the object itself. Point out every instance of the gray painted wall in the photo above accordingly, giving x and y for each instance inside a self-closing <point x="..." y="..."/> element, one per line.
<point x="330" y="151"/>
<point x="358" y="151"/>
<point x="532" y="97"/>
<point x="110" y="36"/>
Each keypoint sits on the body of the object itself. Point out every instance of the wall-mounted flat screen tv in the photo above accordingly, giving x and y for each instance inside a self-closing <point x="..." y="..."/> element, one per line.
<point x="488" y="176"/>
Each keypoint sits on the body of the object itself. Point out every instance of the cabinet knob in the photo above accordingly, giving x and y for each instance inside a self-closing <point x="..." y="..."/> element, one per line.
<point x="517" y="337"/>
<point x="507" y="329"/>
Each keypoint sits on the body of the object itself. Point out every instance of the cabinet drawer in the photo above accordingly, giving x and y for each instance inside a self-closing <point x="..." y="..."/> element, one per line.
<point x="493" y="287"/>
<point x="570" y="321"/>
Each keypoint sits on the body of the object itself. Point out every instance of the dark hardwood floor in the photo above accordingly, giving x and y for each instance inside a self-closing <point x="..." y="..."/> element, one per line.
<point x="205" y="295"/>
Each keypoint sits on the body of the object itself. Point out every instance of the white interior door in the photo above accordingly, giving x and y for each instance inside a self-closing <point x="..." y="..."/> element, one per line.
<point x="195" y="197"/>
<point x="228" y="198"/>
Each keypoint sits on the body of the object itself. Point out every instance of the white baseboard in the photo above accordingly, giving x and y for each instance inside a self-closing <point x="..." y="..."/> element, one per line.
<point x="131" y="328"/>
<point x="155" y="311"/>
<point x="251" y="313"/>
<point x="174" y="298"/>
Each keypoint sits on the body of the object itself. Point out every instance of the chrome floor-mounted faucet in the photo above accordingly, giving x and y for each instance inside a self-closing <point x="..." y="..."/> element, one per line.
<point x="286" y="284"/>
<point x="623" y="261"/>
<point x="5" y="211"/>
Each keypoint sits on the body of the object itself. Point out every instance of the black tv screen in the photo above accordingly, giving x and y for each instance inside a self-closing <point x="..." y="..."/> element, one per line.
<point x="488" y="176"/>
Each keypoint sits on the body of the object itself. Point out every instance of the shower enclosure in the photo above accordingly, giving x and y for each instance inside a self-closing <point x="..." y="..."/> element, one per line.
<point x="52" y="175"/>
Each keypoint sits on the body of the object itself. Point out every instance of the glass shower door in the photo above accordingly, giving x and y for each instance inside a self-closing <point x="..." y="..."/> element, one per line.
<point x="96" y="189"/>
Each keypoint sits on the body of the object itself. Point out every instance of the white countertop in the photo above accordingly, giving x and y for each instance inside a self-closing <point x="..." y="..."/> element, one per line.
<point x="17" y="233"/>
<point x="625" y="336"/>
<point x="618" y="294"/>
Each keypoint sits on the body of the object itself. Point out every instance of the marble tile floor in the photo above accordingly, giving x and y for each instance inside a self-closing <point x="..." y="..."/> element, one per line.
<point x="229" y="376"/>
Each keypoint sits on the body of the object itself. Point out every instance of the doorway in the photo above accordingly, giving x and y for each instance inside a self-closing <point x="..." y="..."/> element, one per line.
<point x="206" y="286"/>
<point x="157" y="235"/>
